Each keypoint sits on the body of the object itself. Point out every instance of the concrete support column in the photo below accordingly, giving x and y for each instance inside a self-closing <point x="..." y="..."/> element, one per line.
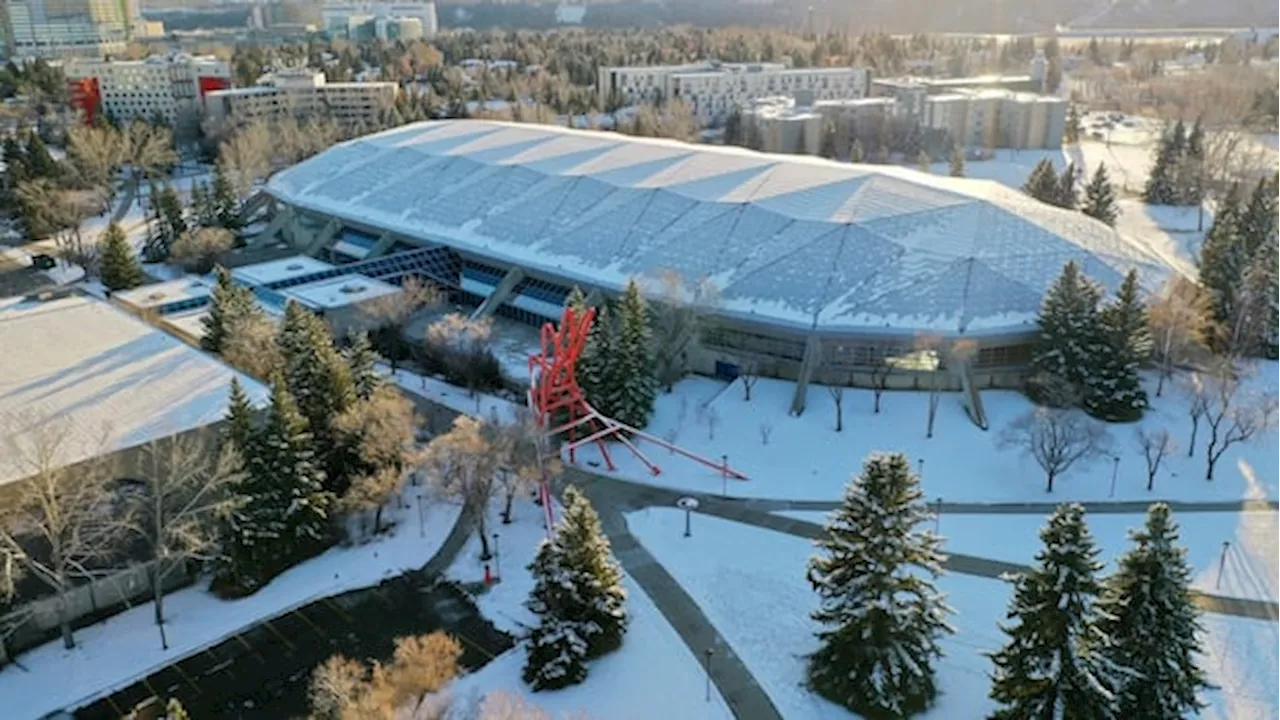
<point x="812" y="360"/>
<point x="326" y="237"/>
<point x="500" y="293"/>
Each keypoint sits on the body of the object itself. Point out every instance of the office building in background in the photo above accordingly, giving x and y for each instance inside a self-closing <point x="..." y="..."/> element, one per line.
<point x="70" y="28"/>
<point x="161" y="86"/>
<point x="381" y="21"/>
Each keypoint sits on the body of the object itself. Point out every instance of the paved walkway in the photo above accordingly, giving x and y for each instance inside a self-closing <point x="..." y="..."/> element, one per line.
<point x="1100" y="507"/>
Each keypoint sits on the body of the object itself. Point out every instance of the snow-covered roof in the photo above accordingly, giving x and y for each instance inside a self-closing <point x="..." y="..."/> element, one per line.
<point x="788" y="239"/>
<point x="340" y="291"/>
<point x="164" y="293"/>
<point x="277" y="270"/>
<point x="103" y="372"/>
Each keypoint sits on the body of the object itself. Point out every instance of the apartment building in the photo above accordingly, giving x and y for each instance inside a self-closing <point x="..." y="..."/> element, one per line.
<point x="156" y="86"/>
<point x="713" y="89"/>
<point x="997" y="118"/>
<point x="68" y="28"/>
<point x="380" y="20"/>
<point x="861" y="112"/>
<point x="303" y="93"/>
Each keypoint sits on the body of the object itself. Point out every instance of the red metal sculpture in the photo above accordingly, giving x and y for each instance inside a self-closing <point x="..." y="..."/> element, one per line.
<point x="562" y="410"/>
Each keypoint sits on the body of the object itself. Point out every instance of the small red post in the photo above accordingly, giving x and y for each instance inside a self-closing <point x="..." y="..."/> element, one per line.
<point x="488" y="577"/>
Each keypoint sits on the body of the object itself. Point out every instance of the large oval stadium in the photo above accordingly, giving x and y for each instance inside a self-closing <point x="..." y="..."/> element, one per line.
<point x="816" y="262"/>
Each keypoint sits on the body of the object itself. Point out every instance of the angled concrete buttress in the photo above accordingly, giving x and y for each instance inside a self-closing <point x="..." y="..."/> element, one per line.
<point x="812" y="359"/>
<point x="500" y="293"/>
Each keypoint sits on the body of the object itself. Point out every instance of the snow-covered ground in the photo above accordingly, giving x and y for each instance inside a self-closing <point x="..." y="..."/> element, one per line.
<point x="653" y="675"/>
<point x="1250" y="570"/>
<point x="123" y="648"/>
<point x="751" y="585"/>
<point x="805" y="459"/>
<point x="482" y="405"/>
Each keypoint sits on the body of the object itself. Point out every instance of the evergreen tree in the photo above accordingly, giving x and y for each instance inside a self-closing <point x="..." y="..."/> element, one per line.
<point x="598" y="354"/>
<point x="238" y="428"/>
<point x="1066" y="195"/>
<point x="1190" y="175"/>
<point x="1042" y="183"/>
<point x="1161" y="188"/>
<point x="120" y="268"/>
<point x="1052" y="666"/>
<point x="1255" y="328"/>
<point x="1113" y="389"/>
<point x="363" y="361"/>
<point x="881" y="613"/>
<point x="1071" y="130"/>
<point x="1258" y="219"/>
<point x="856" y="153"/>
<point x="202" y="206"/>
<point x="319" y="379"/>
<point x="226" y="205"/>
<point x="1100" y="197"/>
<point x="229" y="303"/>
<point x="1223" y="259"/>
<point x="578" y="597"/>
<point x="171" y="225"/>
<point x="39" y="163"/>
<point x="1069" y="329"/>
<point x="957" y="163"/>
<point x="175" y="710"/>
<point x="286" y="460"/>
<point x="631" y="373"/>
<point x="1152" y="625"/>
<point x="15" y="160"/>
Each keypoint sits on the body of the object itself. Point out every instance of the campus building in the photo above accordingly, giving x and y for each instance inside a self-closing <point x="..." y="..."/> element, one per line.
<point x="71" y="28"/>
<point x="304" y="94"/>
<point x="824" y="269"/>
<point x="380" y="20"/>
<point x="713" y="89"/>
<point x="142" y="89"/>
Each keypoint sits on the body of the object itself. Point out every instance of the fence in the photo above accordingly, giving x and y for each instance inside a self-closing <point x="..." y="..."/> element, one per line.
<point x="37" y="622"/>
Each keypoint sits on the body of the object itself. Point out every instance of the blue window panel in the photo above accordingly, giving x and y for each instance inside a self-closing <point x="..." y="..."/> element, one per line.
<point x="361" y="240"/>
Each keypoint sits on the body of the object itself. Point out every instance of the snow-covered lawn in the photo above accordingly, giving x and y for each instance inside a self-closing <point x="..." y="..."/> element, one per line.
<point x="653" y="675"/>
<point x="126" y="647"/>
<point x="806" y="459"/>
<point x="1251" y="561"/>
<point x="751" y="585"/>
<point x="481" y="405"/>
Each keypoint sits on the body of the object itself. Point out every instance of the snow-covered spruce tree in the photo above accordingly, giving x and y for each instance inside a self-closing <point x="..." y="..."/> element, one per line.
<point x="557" y="653"/>
<point x="362" y="360"/>
<point x="1067" y="350"/>
<point x="1042" y="183"/>
<point x="1152" y="625"/>
<point x="1223" y="259"/>
<point x="1052" y="666"/>
<point x="1113" y="390"/>
<point x="222" y="198"/>
<point x="1161" y="188"/>
<point x="120" y="268"/>
<point x="228" y="304"/>
<point x="631" y="377"/>
<point x="957" y="163"/>
<point x="1100" y="197"/>
<point x="598" y="353"/>
<point x="1067" y="196"/>
<point x="881" y="614"/>
<point x="202" y="206"/>
<point x="578" y="596"/>
<point x="1258" y="219"/>
<point x="1254" y="329"/>
<point x="1189" y="177"/>
<point x="320" y="381"/>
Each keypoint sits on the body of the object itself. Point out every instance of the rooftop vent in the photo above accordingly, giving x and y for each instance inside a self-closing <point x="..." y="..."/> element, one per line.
<point x="352" y="289"/>
<point x="293" y="266"/>
<point x="156" y="296"/>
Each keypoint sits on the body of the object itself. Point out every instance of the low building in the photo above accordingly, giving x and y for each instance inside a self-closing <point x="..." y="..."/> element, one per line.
<point x="304" y="94"/>
<point x="343" y="301"/>
<point x="163" y="86"/>
<point x="858" y="112"/>
<point x="111" y="381"/>
<point x="713" y="89"/>
<point x="777" y="125"/>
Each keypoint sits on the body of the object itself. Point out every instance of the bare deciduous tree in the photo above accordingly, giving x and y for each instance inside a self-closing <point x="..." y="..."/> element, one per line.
<point x="187" y="485"/>
<point x="251" y="346"/>
<point x="679" y="312"/>
<point x="927" y="347"/>
<point x="67" y="511"/>
<point x="835" y="389"/>
<point x="198" y="250"/>
<point x="1198" y="396"/>
<point x="246" y="156"/>
<point x="766" y="431"/>
<point x="1155" y="446"/>
<point x="460" y="342"/>
<point x="713" y="421"/>
<point x="1179" y="321"/>
<point x="407" y="687"/>
<point x="881" y="369"/>
<point x="528" y="458"/>
<point x="749" y="375"/>
<point x="1233" y="416"/>
<point x="1055" y="438"/>
<point x="506" y="706"/>
<point x="394" y="309"/>
<point x="380" y="433"/>
<point x="463" y="464"/>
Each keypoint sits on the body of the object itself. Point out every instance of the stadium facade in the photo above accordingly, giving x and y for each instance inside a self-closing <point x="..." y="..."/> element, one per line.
<point x="824" y="269"/>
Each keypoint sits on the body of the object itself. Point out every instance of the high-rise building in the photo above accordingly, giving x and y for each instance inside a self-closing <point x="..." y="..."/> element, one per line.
<point x="61" y="28"/>
<point x="156" y="86"/>
<point x="380" y="20"/>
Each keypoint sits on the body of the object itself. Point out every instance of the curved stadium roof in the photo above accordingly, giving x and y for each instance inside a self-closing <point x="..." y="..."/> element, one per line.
<point x="790" y="240"/>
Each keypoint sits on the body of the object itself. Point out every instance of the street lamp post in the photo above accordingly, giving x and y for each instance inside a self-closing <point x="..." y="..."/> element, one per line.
<point x="497" y="556"/>
<point x="422" y="524"/>
<point x="1115" y="470"/>
<point x="710" y="652"/>
<point x="724" y="475"/>
<point x="688" y="505"/>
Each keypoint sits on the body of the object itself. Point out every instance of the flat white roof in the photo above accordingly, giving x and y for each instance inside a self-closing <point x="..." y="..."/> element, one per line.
<point x="277" y="270"/>
<point x="115" y="381"/>
<point x="163" y="293"/>
<point x="340" y="291"/>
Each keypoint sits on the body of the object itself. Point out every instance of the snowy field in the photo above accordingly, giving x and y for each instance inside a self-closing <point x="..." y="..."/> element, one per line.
<point x="805" y="459"/>
<point x="751" y="584"/>
<point x="1250" y="570"/>
<point x="126" y="647"/>
<point x="653" y="675"/>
